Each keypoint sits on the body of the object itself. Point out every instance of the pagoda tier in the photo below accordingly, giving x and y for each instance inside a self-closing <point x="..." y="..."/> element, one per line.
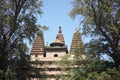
<point x="76" y="41"/>
<point x="38" y="46"/>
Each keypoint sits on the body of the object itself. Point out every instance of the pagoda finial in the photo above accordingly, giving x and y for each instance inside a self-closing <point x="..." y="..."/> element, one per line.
<point x="77" y="30"/>
<point x="60" y="30"/>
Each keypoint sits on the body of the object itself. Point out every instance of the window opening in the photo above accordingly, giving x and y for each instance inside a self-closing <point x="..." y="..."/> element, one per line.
<point x="36" y="55"/>
<point x="55" y="55"/>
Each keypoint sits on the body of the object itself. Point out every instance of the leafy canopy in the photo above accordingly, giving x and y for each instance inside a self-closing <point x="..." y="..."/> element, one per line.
<point x="101" y="21"/>
<point x="17" y="24"/>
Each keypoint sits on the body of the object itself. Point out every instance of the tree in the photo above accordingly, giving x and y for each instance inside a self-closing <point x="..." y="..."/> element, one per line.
<point x="22" y="67"/>
<point x="101" y="20"/>
<point x="17" y="24"/>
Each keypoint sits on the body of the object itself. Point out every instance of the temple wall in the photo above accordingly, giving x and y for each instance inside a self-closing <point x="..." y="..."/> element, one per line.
<point x="52" y="54"/>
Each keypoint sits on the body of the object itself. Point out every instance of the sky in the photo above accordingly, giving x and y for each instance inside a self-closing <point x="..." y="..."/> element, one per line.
<point x="55" y="14"/>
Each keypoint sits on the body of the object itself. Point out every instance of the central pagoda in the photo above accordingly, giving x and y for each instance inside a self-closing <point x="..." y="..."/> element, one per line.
<point x="58" y="47"/>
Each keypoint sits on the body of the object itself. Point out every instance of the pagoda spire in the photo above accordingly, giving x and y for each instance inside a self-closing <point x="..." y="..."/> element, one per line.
<point x="76" y="40"/>
<point x="60" y="36"/>
<point x="60" y="30"/>
<point x="38" y="46"/>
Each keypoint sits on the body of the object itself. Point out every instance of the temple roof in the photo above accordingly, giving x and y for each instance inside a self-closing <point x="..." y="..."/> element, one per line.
<point x="56" y="48"/>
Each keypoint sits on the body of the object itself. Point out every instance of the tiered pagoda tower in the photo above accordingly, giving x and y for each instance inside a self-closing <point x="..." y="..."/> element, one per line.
<point x="76" y="41"/>
<point x="77" y="46"/>
<point x="58" y="47"/>
<point x="38" y="50"/>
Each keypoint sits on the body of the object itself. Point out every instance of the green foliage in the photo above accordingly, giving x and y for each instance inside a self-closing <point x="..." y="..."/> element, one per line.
<point x="109" y="74"/>
<point x="17" y="25"/>
<point x="94" y="70"/>
<point x="101" y="21"/>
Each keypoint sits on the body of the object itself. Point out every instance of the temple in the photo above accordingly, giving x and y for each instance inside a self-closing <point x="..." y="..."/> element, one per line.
<point x="49" y="54"/>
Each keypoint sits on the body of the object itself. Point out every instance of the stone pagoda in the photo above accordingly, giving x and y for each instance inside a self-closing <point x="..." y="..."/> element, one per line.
<point x="76" y="40"/>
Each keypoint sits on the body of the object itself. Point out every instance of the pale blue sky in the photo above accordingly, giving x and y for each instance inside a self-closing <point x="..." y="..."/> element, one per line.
<point x="56" y="13"/>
